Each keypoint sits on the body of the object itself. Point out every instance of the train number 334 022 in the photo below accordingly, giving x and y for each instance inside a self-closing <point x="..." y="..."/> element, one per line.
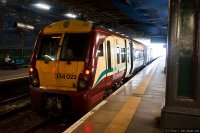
<point x="65" y="76"/>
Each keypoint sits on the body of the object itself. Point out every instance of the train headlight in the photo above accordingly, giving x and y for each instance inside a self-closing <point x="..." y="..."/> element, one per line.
<point x="33" y="77"/>
<point x="84" y="79"/>
<point x="35" y="81"/>
<point x="82" y="84"/>
<point x="87" y="72"/>
<point x="31" y="70"/>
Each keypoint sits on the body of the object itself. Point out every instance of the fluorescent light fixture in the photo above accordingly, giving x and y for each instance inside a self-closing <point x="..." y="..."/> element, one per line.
<point x="3" y="1"/>
<point x="55" y="37"/>
<point x="30" y="27"/>
<point x="42" y="6"/>
<point x="90" y="21"/>
<point x="110" y="29"/>
<point x="23" y="26"/>
<point x="70" y="15"/>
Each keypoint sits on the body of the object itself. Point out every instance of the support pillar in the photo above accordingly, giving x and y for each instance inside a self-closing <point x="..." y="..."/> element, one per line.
<point x="182" y="102"/>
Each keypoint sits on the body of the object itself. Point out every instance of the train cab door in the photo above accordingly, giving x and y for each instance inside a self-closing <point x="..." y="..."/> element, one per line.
<point x="109" y="66"/>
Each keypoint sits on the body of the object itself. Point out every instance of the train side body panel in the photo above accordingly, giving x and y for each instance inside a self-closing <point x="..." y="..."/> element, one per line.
<point x="108" y="71"/>
<point x="138" y="59"/>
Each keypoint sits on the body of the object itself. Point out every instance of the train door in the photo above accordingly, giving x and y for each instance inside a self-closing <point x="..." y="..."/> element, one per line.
<point x="132" y="56"/>
<point x="128" y="57"/>
<point x="100" y="75"/>
<point x="46" y="63"/>
<point x="109" y="69"/>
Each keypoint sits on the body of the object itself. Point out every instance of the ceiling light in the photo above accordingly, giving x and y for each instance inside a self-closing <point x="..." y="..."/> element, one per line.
<point x="3" y="1"/>
<point x="42" y="6"/>
<point x="70" y="15"/>
<point x="23" y="26"/>
<point x="30" y="27"/>
<point x="91" y="22"/>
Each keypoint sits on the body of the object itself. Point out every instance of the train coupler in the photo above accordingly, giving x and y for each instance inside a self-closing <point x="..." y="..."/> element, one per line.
<point x="54" y="106"/>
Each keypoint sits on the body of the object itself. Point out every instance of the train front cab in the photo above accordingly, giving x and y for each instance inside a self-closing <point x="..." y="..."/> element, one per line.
<point x="58" y="69"/>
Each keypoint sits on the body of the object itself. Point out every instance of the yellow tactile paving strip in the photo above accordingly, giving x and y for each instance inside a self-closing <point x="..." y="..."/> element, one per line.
<point x="121" y="121"/>
<point x="144" y="84"/>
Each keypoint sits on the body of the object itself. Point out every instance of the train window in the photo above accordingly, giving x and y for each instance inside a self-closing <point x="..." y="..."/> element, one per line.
<point x="118" y="55"/>
<point x="134" y="56"/>
<point x="128" y="54"/>
<point x="74" y="46"/>
<point x="108" y="54"/>
<point x="123" y="55"/>
<point x="100" y="50"/>
<point x="142" y="53"/>
<point x="137" y="54"/>
<point x="49" y="47"/>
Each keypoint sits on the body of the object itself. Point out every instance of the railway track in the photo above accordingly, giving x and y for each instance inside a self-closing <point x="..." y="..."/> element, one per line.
<point x="24" y="121"/>
<point x="15" y="110"/>
<point x="50" y="125"/>
<point x="14" y="98"/>
<point x="14" y="105"/>
<point x="37" y="125"/>
<point x="13" y="88"/>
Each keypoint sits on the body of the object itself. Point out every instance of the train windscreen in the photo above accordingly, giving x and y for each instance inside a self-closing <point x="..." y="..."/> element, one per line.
<point x="74" y="46"/>
<point x="49" y="47"/>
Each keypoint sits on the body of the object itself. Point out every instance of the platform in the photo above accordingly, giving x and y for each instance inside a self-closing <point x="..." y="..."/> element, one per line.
<point x="11" y="74"/>
<point x="134" y="107"/>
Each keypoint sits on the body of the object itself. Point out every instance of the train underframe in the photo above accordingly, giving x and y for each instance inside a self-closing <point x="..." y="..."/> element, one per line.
<point x="55" y="103"/>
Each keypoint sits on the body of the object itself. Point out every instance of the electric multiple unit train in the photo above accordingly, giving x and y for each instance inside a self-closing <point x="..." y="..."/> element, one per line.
<point x="75" y="63"/>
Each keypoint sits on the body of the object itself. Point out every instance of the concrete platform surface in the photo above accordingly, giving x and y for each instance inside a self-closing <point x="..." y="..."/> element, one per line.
<point x="11" y="74"/>
<point x="134" y="108"/>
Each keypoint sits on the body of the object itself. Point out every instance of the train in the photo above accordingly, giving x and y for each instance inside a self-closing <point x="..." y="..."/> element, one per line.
<point x="75" y="64"/>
